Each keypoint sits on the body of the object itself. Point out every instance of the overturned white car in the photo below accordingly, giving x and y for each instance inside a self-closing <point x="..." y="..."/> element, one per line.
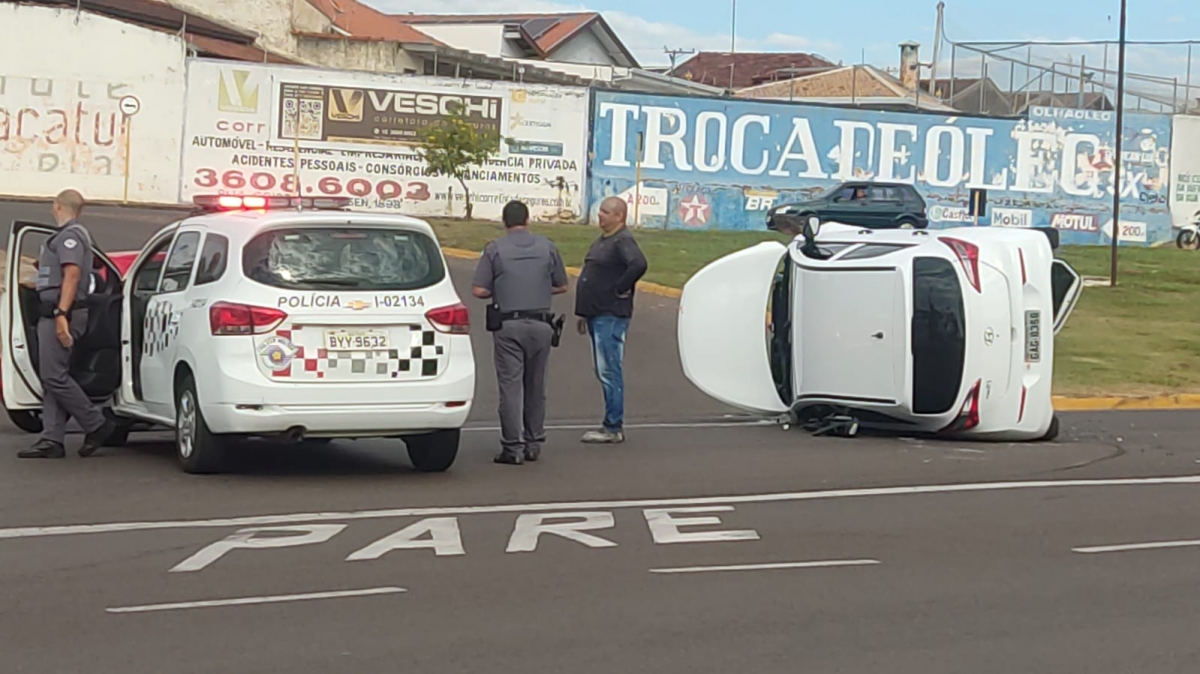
<point x="915" y="331"/>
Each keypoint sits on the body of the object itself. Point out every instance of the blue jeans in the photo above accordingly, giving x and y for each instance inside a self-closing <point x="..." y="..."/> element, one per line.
<point x="608" y="352"/>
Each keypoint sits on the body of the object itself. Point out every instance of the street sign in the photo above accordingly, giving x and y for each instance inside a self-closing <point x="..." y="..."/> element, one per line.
<point x="129" y="105"/>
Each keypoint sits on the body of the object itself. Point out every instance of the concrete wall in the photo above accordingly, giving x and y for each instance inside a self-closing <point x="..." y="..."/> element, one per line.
<point x="485" y="39"/>
<point x="271" y="19"/>
<point x="63" y="75"/>
<point x="584" y="47"/>
<point x="1185" y="170"/>
<point x="365" y="55"/>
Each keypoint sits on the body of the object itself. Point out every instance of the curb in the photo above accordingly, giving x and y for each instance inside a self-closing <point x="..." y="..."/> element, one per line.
<point x="1183" y="401"/>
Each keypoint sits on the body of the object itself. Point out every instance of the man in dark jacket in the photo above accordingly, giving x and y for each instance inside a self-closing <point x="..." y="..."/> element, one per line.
<point x="604" y="305"/>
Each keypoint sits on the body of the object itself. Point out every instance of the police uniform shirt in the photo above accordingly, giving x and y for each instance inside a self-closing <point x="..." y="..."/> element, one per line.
<point x="68" y="246"/>
<point x="520" y="269"/>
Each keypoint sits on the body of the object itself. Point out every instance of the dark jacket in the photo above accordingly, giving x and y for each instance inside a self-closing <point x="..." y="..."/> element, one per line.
<point x="612" y="268"/>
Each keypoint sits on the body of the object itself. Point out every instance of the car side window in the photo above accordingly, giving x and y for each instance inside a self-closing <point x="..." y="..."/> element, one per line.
<point x="145" y="279"/>
<point x="179" y="264"/>
<point x="214" y="258"/>
<point x="845" y="194"/>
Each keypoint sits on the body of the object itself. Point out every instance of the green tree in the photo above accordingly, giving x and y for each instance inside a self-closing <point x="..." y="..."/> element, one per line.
<point x="452" y="145"/>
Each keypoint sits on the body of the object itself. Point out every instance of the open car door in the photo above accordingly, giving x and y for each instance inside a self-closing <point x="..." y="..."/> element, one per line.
<point x="726" y="338"/>
<point x="22" y="388"/>
<point x="1066" y="286"/>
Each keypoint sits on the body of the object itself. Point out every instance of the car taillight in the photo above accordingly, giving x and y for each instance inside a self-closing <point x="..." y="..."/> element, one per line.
<point x="454" y="319"/>
<point x="968" y="415"/>
<point x="968" y="255"/>
<point x="228" y="318"/>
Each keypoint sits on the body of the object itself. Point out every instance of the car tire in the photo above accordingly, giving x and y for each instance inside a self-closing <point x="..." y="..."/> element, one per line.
<point x="1052" y="433"/>
<point x="433" y="452"/>
<point x="26" y="420"/>
<point x="906" y="223"/>
<point x="197" y="449"/>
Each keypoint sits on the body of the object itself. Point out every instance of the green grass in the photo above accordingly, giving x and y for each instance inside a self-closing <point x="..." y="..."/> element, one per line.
<point x="1141" y="338"/>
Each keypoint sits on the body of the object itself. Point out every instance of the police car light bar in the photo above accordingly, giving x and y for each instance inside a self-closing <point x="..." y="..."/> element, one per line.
<point x="230" y="202"/>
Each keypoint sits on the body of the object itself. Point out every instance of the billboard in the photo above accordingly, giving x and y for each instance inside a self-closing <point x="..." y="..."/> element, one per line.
<point x="265" y="129"/>
<point x="1185" y="170"/>
<point x="708" y="163"/>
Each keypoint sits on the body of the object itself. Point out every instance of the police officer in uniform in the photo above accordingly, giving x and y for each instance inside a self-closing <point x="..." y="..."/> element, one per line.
<point x="520" y="273"/>
<point x="63" y="278"/>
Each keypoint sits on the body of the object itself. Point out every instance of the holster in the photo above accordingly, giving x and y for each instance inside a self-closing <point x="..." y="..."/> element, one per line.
<point x="557" y="325"/>
<point x="493" y="320"/>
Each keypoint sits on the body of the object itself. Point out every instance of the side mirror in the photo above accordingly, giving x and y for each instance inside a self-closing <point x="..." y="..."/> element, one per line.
<point x="812" y="227"/>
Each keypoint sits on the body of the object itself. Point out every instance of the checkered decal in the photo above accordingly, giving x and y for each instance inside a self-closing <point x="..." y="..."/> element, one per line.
<point x="158" y="332"/>
<point x="424" y="357"/>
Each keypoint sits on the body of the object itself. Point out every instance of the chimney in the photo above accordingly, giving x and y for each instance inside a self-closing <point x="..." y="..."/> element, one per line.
<point x="910" y="71"/>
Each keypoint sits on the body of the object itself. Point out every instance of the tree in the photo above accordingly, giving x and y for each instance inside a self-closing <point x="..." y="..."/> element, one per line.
<point x="452" y="145"/>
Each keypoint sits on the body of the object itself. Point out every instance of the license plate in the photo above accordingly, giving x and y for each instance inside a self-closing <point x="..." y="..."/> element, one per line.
<point x="355" y="340"/>
<point x="1033" y="336"/>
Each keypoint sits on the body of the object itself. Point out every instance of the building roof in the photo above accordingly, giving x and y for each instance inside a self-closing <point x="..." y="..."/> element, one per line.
<point x="206" y="36"/>
<point x="362" y="21"/>
<point x="745" y="69"/>
<point x="858" y="84"/>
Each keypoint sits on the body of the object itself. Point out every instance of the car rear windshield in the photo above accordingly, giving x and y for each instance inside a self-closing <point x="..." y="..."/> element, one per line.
<point x="363" y="258"/>
<point x="939" y="340"/>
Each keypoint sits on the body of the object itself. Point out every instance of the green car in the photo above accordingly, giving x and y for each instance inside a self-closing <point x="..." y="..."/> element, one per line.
<point x="863" y="204"/>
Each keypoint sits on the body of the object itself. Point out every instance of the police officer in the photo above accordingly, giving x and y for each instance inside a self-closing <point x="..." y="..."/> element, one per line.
<point x="519" y="273"/>
<point x="63" y="277"/>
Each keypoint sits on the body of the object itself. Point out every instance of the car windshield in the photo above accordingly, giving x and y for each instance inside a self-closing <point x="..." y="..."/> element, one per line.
<point x="939" y="339"/>
<point x="361" y="258"/>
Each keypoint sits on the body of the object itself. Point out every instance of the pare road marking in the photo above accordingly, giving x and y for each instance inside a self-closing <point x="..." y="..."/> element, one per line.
<point x="443" y="536"/>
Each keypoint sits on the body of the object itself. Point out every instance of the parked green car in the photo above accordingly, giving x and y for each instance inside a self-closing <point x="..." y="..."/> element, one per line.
<point x="864" y="204"/>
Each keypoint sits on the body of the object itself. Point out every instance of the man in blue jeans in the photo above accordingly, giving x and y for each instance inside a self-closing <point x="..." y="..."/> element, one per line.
<point x="604" y="305"/>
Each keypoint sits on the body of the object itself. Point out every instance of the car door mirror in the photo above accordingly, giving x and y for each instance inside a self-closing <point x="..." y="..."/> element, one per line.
<point x="812" y="227"/>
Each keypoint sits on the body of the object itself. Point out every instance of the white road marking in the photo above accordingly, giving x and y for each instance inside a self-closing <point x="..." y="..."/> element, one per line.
<point x="1136" y="546"/>
<point x="646" y="426"/>
<point x="244" y="601"/>
<point x="664" y="526"/>
<point x="394" y="513"/>
<point x="769" y="567"/>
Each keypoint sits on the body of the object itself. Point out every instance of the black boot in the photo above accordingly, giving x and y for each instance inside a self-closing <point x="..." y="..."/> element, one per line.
<point x="96" y="439"/>
<point x="510" y="457"/>
<point x="44" y="449"/>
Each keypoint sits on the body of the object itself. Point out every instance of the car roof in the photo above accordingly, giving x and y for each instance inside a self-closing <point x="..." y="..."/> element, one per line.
<point x="244" y="225"/>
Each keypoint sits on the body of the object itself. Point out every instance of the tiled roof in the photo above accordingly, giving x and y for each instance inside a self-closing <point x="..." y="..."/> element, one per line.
<point x="841" y="83"/>
<point x="364" y="22"/>
<point x="548" y="31"/>
<point x="942" y="87"/>
<point x="748" y="68"/>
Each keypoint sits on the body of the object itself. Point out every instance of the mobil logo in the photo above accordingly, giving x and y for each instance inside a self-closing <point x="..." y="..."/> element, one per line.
<point x="1012" y="217"/>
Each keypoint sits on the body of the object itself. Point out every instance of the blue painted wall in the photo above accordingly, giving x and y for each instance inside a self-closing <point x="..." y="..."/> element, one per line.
<point x="721" y="163"/>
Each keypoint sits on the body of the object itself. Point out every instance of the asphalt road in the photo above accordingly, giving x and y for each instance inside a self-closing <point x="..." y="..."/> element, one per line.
<point x="863" y="555"/>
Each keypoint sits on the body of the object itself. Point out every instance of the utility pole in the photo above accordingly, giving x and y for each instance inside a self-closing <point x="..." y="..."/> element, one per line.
<point x="733" y="30"/>
<point x="674" y="54"/>
<point x="1120" y="132"/>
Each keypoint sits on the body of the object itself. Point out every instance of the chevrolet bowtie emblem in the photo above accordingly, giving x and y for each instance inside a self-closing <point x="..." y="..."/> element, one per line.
<point x="357" y="305"/>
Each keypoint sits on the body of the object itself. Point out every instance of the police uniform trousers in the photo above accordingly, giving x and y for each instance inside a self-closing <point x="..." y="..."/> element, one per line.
<point x="62" y="397"/>
<point x="522" y="353"/>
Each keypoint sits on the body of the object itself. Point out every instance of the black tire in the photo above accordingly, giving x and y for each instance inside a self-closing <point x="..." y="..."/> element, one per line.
<point x="1052" y="432"/>
<point x="26" y="420"/>
<point x="196" y="448"/>
<point x="1188" y="240"/>
<point x="434" y="452"/>
<point x="906" y="223"/>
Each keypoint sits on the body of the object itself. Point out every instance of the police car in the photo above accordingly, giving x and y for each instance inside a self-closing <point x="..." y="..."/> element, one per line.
<point x="276" y="317"/>
<point x="915" y="331"/>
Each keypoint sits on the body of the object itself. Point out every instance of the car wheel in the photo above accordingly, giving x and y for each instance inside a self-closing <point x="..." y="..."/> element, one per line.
<point x="26" y="420"/>
<point x="907" y="223"/>
<point x="433" y="453"/>
<point x="1188" y="240"/>
<point x="195" y="446"/>
<point x="1052" y="432"/>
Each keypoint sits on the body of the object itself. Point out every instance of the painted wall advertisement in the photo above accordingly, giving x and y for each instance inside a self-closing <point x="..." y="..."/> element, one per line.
<point x="720" y="164"/>
<point x="1185" y="170"/>
<point x="257" y="129"/>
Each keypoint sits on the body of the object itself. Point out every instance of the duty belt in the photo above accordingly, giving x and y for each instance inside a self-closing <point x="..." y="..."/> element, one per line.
<point x="530" y="315"/>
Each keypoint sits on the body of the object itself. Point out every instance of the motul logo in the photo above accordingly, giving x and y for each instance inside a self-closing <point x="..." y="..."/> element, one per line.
<point x="406" y="103"/>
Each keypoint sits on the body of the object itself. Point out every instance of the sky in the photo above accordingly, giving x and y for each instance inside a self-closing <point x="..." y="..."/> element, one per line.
<point x="845" y="31"/>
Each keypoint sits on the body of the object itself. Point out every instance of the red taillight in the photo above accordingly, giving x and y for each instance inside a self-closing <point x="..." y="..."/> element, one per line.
<point x="968" y="255"/>
<point x="454" y="319"/>
<point x="968" y="415"/>
<point x="227" y="318"/>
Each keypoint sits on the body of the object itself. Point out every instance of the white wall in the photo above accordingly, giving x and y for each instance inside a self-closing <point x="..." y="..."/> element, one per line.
<point x="237" y="146"/>
<point x="1185" y="169"/>
<point x="584" y="47"/>
<point x="59" y="122"/>
<point x="486" y="39"/>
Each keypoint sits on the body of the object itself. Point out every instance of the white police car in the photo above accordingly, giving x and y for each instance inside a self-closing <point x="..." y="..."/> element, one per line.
<point x="275" y="317"/>
<point x="948" y="331"/>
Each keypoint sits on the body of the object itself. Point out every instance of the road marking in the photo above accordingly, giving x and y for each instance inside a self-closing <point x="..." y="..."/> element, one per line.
<point x="769" y="567"/>
<point x="245" y="601"/>
<point x="645" y="426"/>
<point x="1136" y="546"/>
<point x="394" y="513"/>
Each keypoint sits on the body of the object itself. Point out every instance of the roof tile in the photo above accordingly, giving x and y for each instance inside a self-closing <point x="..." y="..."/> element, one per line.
<point x="749" y="68"/>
